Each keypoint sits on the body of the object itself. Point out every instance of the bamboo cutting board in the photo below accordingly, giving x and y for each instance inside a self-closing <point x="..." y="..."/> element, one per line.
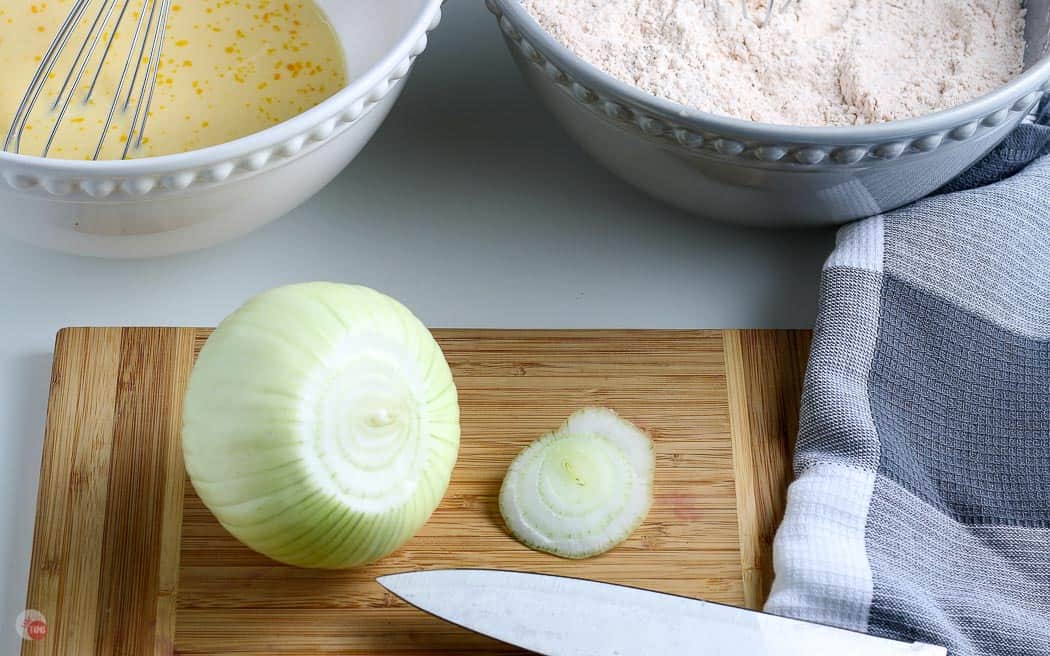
<point x="126" y="559"/>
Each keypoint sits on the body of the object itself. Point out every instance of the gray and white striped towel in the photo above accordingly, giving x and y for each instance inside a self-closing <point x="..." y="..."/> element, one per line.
<point x="921" y="505"/>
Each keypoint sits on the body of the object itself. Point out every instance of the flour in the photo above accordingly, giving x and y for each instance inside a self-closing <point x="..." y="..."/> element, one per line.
<point x="818" y="62"/>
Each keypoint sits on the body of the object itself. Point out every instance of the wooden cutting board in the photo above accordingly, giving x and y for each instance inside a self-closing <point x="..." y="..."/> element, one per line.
<point x="126" y="559"/>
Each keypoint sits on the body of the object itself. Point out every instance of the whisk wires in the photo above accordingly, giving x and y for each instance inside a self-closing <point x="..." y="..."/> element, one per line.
<point x="146" y="47"/>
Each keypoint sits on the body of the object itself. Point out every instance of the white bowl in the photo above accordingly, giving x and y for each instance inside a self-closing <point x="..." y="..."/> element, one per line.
<point x="165" y="205"/>
<point x="763" y="174"/>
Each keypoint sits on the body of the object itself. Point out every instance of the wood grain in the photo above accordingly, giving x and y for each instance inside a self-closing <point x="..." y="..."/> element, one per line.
<point x="765" y="371"/>
<point x="127" y="560"/>
<point x="146" y="477"/>
<point x="65" y="577"/>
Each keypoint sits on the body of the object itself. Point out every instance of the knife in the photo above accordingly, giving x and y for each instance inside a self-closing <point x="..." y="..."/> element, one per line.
<point x="561" y="616"/>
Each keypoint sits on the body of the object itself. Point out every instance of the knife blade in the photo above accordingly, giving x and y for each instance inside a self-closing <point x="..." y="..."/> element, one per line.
<point x="561" y="616"/>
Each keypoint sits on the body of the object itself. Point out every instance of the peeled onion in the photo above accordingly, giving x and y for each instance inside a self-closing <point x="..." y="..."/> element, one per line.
<point x="321" y="425"/>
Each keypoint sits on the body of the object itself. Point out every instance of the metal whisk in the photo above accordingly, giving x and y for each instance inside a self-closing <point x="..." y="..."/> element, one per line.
<point x="762" y="22"/>
<point x="135" y="96"/>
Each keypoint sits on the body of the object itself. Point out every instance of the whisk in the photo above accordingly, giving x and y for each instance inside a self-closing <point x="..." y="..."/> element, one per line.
<point x="134" y="97"/>
<point x="768" y="14"/>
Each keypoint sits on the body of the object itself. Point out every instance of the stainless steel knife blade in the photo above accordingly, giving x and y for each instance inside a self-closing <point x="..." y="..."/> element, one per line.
<point x="561" y="616"/>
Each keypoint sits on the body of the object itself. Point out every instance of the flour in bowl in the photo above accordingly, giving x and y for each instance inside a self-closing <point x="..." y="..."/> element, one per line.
<point x="818" y="62"/>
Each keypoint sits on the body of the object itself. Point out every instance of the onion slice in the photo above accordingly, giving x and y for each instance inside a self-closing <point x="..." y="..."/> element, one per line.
<point x="581" y="490"/>
<point x="321" y="425"/>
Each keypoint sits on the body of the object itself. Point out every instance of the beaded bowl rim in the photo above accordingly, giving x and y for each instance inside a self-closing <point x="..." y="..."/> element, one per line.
<point x="357" y="98"/>
<point x="1035" y="80"/>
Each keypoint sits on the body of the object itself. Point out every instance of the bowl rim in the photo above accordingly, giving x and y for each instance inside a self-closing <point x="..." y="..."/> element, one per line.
<point x="590" y="75"/>
<point x="356" y="89"/>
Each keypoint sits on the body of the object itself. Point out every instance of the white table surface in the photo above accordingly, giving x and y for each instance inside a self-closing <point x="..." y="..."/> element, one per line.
<point x="471" y="206"/>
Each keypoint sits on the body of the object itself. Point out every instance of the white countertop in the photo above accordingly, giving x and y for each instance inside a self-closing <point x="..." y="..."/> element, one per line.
<point x="471" y="206"/>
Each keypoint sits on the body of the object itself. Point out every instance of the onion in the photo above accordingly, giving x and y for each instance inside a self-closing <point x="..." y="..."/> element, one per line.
<point x="321" y="425"/>
<point x="581" y="490"/>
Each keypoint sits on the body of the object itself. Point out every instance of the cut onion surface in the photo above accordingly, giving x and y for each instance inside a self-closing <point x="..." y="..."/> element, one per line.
<point x="321" y="425"/>
<point x="581" y="490"/>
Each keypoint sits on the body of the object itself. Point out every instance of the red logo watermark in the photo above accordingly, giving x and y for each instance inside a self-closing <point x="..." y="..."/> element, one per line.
<point x="31" y="625"/>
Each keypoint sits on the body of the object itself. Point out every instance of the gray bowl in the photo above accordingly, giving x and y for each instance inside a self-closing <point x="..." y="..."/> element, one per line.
<point x="761" y="174"/>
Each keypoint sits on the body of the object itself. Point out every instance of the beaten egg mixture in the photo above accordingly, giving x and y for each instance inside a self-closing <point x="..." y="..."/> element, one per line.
<point x="229" y="68"/>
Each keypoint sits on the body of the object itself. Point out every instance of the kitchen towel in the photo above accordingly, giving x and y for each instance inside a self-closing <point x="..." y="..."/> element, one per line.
<point x="921" y="504"/>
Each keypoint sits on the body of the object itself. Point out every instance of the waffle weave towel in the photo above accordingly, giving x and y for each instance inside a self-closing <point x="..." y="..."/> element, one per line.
<point x="921" y="505"/>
